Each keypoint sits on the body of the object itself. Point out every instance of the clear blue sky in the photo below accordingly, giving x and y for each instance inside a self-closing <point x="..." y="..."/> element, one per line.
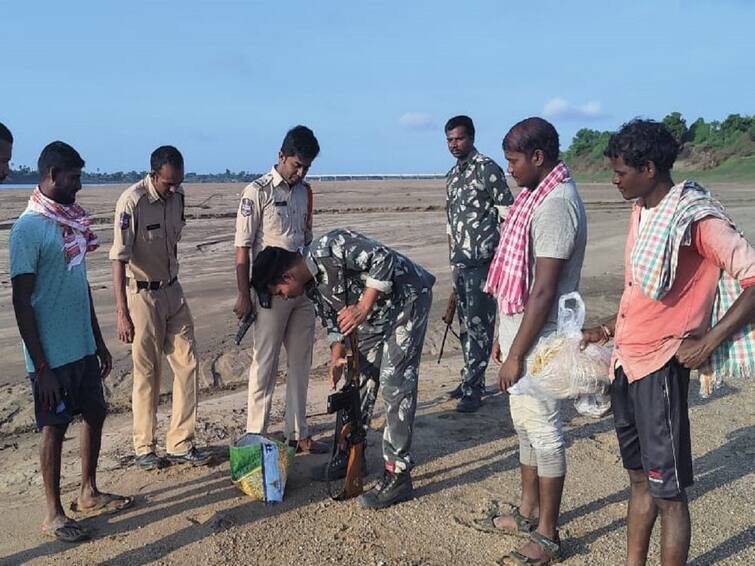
<point x="224" y="80"/>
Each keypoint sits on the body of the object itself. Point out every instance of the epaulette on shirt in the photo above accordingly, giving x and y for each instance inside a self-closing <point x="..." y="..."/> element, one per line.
<point x="262" y="182"/>
<point x="135" y="192"/>
<point x="480" y="158"/>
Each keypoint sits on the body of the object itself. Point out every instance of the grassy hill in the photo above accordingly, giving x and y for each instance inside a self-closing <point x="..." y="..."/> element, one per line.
<point x="711" y="151"/>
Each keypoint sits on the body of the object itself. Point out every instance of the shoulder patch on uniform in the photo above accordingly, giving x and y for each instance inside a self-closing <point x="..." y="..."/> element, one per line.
<point x="125" y="220"/>
<point x="246" y="207"/>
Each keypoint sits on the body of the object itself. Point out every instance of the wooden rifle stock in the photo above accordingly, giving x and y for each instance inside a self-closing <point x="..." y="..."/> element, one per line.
<point x="448" y="318"/>
<point x="353" y="485"/>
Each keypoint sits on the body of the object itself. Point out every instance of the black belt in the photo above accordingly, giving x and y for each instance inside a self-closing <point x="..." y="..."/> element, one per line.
<point x="154" y="285"/>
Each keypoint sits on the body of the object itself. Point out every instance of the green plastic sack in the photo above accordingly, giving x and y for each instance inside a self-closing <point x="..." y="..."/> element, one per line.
<point x="259" y="466"/>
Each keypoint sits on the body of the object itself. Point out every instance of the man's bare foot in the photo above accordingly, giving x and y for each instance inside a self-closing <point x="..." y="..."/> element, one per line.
<point x="95" y="504"/>
<point x="88" y="498"/>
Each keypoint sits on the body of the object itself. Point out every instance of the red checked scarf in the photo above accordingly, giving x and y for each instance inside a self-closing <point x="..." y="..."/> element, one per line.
<point x="509" y="273"/>
<point x="78" y="237"/>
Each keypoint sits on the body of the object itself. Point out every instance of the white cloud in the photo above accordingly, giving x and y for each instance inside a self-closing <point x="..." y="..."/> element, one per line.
<point x="416" y="121"/>
<point x="560" y="108"/>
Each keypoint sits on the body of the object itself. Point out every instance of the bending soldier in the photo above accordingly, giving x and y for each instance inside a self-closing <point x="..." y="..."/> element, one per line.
<point x="391" y="298"/>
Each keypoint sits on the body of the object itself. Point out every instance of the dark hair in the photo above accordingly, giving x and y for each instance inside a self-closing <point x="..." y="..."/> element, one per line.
<point x="5" y="134"/>
<point x="641" y="141"/>
<point x="58" y="155"/>
<point x="462" y="120"/>
<point x="165" y="155"/>
<point x="300" y="141"/>
<point x="531" y="134"/>
<point x="269" y="267"/>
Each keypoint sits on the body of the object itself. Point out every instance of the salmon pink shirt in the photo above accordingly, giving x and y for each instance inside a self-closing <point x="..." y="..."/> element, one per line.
<point x="649" y="332"/>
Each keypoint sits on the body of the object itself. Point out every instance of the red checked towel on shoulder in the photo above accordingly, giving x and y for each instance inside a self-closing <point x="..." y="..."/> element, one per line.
<point x="509" y="273"/>
<point x="78" y="237"/>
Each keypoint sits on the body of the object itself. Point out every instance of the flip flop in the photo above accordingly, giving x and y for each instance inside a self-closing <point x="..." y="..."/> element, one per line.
<point x="109" y="503"/>
<point x="68" y="532"/>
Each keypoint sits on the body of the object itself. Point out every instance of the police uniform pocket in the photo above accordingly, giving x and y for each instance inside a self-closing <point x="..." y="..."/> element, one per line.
<point x="283" y="213"/>
<point x="277" y="216"/>
<point x="154" y="232"/>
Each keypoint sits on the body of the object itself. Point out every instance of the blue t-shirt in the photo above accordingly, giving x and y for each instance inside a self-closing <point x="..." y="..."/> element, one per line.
<point x="61" y="296"/>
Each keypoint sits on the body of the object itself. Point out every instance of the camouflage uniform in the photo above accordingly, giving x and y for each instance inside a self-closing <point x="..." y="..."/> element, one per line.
<point x="344" y="263"/>
<point x="475" y="188"/>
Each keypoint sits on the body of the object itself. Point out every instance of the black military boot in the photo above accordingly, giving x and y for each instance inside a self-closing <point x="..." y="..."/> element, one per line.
<point x="456" y="392"/>
<point x="469" y="403"/>
<point x="393" y="488"/>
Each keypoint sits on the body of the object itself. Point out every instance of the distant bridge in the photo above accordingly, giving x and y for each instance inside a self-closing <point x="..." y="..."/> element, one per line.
<point x="375" y="177"/>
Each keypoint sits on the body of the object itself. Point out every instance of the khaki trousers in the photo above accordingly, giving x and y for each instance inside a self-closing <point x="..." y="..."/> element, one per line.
<point x="163" y="325"/>
<point x="291" y="323"/>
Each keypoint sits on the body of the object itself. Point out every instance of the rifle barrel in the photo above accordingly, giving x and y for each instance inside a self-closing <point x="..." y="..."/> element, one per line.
<point x="443" y="344"/>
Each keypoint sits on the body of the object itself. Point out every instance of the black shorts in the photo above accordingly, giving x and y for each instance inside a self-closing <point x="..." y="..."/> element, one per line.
<point x="652" y="424"/>
<point x="82" y="393"/>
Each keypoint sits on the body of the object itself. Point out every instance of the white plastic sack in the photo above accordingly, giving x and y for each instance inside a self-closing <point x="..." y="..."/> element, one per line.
<point x="595" y="406"/>
<point x="557" y="368"/>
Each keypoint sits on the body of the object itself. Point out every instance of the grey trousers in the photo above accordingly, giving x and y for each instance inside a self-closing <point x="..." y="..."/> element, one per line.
<point x="476" y="311"/>
<point x="289" y="323"/>
<point x="391" y="360"/>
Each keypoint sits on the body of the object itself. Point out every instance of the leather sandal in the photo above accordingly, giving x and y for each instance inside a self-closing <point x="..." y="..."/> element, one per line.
<point x="486" y="524"/>
<point x="309" y="445"/>
<point x="551" y="549"/>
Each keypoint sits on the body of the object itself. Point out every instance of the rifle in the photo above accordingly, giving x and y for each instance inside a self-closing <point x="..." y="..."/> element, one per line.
<point x="350" y="431"/>
<point x="448" y="318"/>
<point x="244" y="326"/>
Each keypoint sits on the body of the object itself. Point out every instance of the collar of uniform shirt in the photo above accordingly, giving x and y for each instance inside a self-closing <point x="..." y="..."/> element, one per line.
<point x="152" y="193"/>
<point x="278" y="179"/>
<point x="462" y="164"/>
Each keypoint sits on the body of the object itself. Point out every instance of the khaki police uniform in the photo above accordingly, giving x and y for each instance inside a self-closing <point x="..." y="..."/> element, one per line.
<point x="273" y="214"/>
<point x="146" y="234"/>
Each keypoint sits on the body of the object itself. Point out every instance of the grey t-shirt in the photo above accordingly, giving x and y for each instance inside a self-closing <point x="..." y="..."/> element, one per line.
<point x="558" y="230"/>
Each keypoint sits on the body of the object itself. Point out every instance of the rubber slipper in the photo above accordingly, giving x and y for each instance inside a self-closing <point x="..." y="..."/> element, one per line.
<point x="69" y="532"/>
<point x="109" y="503"/>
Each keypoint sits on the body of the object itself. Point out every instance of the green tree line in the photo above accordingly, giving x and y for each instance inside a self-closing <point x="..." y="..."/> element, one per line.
<point x="26" y="175"/>
<point x="705" y="145"/>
